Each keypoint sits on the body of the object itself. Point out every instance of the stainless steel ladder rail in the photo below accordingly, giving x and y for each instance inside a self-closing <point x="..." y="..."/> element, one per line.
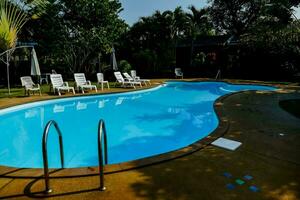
<point x="102" y="134"/>
<point x="102" y="159"/>
<point x="45" y="155"/>
<point x="218" y="76"/>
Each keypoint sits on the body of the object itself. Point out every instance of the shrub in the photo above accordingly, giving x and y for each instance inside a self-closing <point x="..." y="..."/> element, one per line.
<point x="124" y="66"/>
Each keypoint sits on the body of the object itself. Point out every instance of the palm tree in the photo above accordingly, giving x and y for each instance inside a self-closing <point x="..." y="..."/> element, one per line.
<point x="199" y="24"/>
<point x="178" y="22"/>
<point x="13" y="16"/>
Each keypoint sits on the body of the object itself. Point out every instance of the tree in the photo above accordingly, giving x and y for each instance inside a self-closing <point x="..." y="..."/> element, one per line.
<point x="234" y="17"/>
<point x="151" y="37"/>
<point x="154" y="38"/>
<point x="237" y="17"/>
<point x="199" y="22"/>
<point x="264" y="29"/>
<point x="73" y="34"/>
<point x="14" y="15"/>
<point x="177" y="22"/>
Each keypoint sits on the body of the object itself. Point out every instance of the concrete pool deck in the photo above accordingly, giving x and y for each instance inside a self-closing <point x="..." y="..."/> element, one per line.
<point x="269" y="154"/>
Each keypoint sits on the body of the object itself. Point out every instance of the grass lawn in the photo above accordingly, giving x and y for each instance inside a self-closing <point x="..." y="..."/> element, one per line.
<point x="19" y="91"/>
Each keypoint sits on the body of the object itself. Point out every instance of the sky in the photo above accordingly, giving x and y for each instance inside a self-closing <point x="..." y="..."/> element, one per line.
<point x="134" y="9"/>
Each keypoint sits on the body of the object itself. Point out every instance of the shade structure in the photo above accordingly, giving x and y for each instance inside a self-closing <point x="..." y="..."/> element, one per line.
<point x="35" y="67"/>
<point x="113" y="60"/>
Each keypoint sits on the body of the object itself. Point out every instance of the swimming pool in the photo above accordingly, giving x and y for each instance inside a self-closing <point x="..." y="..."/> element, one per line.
<point x="139" y="124"/>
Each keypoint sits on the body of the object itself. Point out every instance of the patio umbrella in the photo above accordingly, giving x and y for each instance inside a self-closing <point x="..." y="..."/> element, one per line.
<point x="8" y="54"/>
<point x="35" y="67"/>
<point x="113" y="60"/>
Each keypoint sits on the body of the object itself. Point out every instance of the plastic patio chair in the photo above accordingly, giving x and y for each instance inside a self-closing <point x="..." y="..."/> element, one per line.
<point x="178" y="73"/>
<point x="29" y="85"/>
<point x="100" y="79"/>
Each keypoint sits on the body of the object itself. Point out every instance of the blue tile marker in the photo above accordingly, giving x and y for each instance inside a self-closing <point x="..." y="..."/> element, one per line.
<point x="239" y="181"/>
<point x="230" y="186"/>
<point x="227" y="174"/>
<point x="253" y="188"/>
<point x="248" y="177"/>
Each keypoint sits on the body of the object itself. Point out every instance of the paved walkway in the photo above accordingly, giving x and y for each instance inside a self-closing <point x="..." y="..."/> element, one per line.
<point x="269" y="154"/>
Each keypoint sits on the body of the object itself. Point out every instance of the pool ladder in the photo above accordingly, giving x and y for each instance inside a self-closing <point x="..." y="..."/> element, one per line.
<point x="102" y="159"/>
<point x="218" y="76"/>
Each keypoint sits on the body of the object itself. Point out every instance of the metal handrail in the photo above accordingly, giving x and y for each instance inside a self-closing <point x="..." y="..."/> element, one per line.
<point x="218" y="76"/>
<point x="45" y="155"/>
<point x="101" y="134"/>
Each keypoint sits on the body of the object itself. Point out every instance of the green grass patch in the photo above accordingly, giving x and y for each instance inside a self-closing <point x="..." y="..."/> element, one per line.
<point x="19" y="91"/>
<point x="45" y="89"/>
<point x="292" y="106"/>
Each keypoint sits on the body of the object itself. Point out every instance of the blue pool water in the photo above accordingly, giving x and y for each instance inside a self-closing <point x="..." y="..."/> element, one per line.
<point x="139" y="124"/>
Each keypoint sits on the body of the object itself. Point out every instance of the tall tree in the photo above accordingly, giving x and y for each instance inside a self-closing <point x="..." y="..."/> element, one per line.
<point x="264" y="29"/>
<point x="73" y="34"/>
<point x="177" y="23"/>
<point x="199" y="22"/>
<point x="237" y="17"/>
<point x="234" y="16"/>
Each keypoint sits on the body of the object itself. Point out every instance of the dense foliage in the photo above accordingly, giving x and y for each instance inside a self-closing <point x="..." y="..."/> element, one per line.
<point x="78" y="36"/>
<point x="14" y="15"/>
<point x="73" y="35"/>
<point x="268" y="35"/>
<point x="150" y="44"/>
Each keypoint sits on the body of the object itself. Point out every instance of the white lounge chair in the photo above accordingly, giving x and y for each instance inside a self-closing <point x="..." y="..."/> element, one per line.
<point x="133" y="74"/>
<point x="178" y="73"/>
<point x="100" y="78"/>
<point x="137" y="78"/>
<point x="82" y="83"/>
<point x="29" y="85"/>
<point x="58" y="84"/>
<point x="124" y="82"/>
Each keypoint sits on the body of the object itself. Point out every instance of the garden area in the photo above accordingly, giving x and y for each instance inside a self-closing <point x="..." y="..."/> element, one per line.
<point x="245" y="40"/>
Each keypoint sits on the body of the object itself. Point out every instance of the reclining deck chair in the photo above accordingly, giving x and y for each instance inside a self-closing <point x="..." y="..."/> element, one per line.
<point x="29" y="85"/>
<point x="82" y="83"/>
<point x="58" y="84"/>
<point x="136" y="78"/>
<point x="124" y="82"/>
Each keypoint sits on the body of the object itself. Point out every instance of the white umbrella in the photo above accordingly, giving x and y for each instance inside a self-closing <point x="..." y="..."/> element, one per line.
<point x="113" y="60"/>
<point x="8" y="53"/>
<point x="35" y="67"/>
